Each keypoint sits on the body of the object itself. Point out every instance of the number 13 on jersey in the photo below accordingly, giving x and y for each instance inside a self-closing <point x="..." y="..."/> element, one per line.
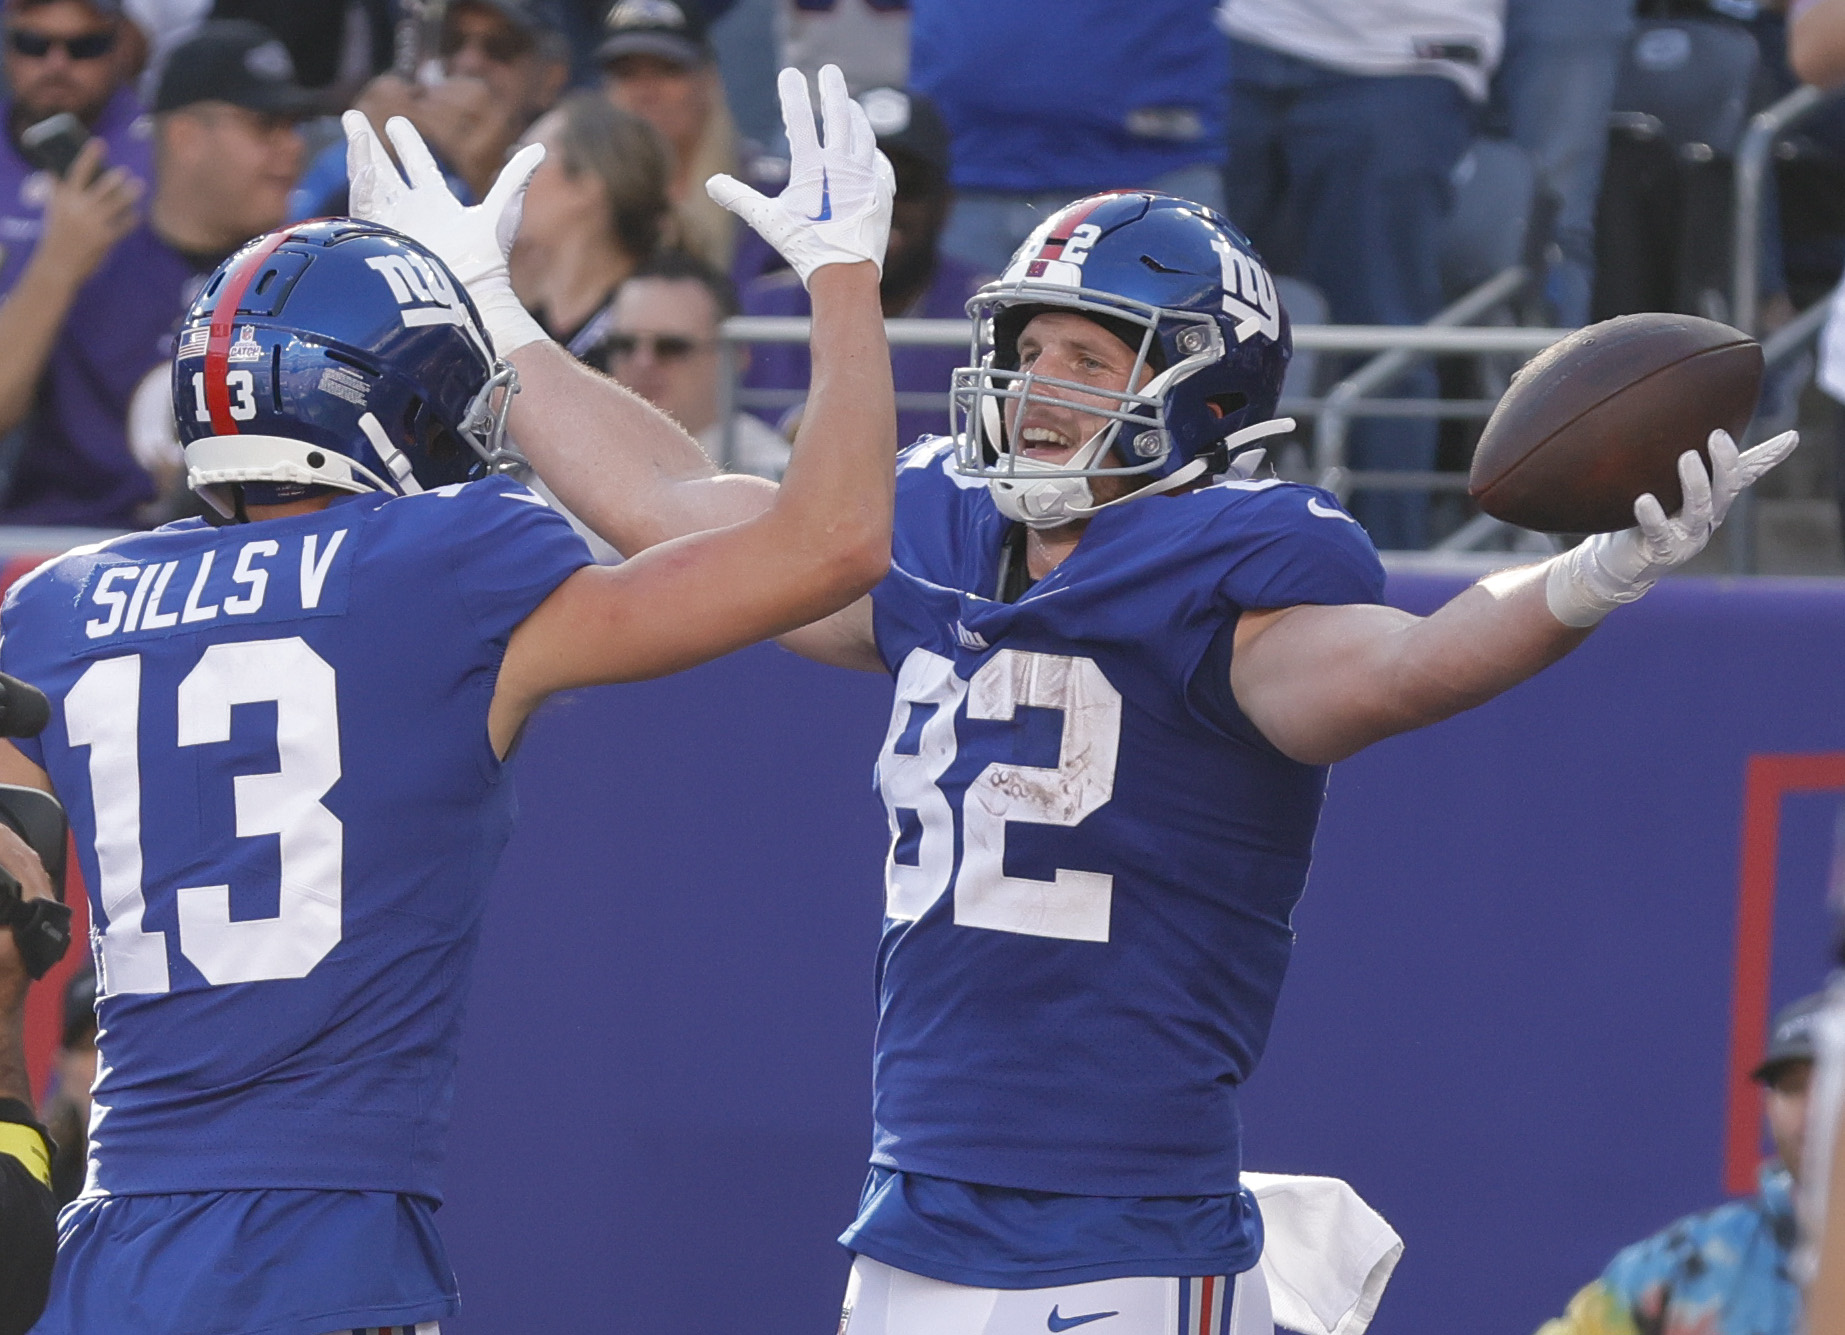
<point x="920" y="749"/>
<point x="103" y="713"/>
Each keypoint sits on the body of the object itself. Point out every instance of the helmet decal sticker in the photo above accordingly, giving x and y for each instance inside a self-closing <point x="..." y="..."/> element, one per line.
<point x="1249" y="293"/>
<point x="246" y="348"/>
<point x="343" y="384"/>
<point x="215" y="383"/>
<point x="427" y="297"/>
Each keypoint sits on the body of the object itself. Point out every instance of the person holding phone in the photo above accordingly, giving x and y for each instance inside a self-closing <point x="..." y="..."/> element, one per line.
<point x="82" y="347"/>
<point x="69" y="66"/>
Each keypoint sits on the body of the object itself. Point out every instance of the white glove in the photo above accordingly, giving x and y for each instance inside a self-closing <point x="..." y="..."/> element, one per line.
<point x="474" y="242"/>
<point x="836" y="207"/>
<point x="1602" y="572"/>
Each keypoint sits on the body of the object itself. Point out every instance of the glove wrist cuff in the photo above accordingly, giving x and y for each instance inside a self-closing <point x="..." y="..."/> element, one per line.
<point x="508" y="323"/>
<point x="1580" y="591"/>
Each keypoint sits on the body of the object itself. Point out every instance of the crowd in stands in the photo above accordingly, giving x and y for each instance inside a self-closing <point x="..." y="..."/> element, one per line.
<point x="1336" y="133"/>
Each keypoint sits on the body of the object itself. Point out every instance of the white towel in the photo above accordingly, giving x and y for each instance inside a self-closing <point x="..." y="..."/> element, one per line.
<point x="1327" y="1255"/>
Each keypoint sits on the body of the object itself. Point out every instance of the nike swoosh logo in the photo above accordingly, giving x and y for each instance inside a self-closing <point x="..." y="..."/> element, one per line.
<point x="1056" y="1322"/>
<point x="1326" y="511"/>
<point x="826" y="200"/>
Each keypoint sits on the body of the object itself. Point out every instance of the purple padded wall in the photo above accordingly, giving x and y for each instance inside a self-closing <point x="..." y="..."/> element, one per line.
<point x="1507" y="1024"/>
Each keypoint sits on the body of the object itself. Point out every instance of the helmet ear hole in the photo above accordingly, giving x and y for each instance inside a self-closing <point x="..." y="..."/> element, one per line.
<point x="1228" y="405"/>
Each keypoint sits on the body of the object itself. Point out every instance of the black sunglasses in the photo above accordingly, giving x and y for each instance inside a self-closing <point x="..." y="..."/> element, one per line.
<point x="665" y="347"/>
<point x="37" y="46"/>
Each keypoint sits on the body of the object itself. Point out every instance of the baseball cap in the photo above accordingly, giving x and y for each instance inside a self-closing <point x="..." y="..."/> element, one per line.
<point x="531" y="16"/>
<point x="236" y="61"/>
<point x="907" y="123"/>
<point x="1790" y="1038"/>
<point x="663" y="28"/>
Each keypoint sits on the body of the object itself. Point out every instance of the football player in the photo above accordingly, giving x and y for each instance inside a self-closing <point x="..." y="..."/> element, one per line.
<point x="1122" y="664"/>
<point x="283" y="739"/>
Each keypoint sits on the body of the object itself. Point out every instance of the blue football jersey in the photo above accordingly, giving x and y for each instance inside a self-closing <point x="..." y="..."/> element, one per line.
<point x="1094" y="854"/>
<point x="272" y="743"/>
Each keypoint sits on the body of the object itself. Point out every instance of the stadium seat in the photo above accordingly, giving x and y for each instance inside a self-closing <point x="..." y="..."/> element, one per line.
<point x="1663" y="225"/>
<point x="1500" y="217"/>
<point x="1687" y="82"/>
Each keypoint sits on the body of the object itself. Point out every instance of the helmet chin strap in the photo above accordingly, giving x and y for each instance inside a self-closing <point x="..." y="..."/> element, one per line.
<point x="392" y="457"/>
<point x="1053" y="501"/>
<point x="1047" y="502"/>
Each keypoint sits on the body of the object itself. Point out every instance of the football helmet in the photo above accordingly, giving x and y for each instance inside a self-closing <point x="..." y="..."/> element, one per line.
<point x="336" y="354"/>
<point x="1184" y="290"/>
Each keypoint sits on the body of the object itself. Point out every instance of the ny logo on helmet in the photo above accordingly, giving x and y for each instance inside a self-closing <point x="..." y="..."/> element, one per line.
<point x="1249" y="293"/>
<point x="425" y="293"/>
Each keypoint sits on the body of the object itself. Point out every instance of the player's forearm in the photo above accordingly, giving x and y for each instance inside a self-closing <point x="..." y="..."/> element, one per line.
<point x="618" y="463"/>
<point x="1480" y="644"/>
<point x="1323" y="683"/>
<point x="840" y="480"/>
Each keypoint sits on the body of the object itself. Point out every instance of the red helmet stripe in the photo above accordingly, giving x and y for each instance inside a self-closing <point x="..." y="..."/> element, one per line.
<point x="1060" y="237"/>
<point x="223" y="322"/>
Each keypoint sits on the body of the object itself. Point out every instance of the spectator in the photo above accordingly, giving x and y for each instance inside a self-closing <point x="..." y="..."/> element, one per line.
<point x="505" y="63"/>
<point x="593" y="214"/>
<point x="1032" y="130"/>
<point x="1348" y="121"/>
<point x="1553" y="91"/>
<point x="28" y="1228"/>
<point x="663" y="345"/>
<point x="67" y="1109"/>
<point x="657" y="62"/>
<point x="918" y="279"/>
<point x="1724" y="1272"/>
<point x="62" y="55"/>
<point x="226" y="155"/>
<point x="868" y="39"/>
<point x="337" y="45"/>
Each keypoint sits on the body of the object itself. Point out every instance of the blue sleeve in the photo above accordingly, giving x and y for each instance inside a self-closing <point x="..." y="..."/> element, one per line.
<point x="510" y="550"/>
<point x="946" y="530"/>
<point x="1294" y="545"/>
<point x="1285" y="545"/>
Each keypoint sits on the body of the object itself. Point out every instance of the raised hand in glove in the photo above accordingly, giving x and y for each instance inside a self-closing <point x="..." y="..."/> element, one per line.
<point x="1604" y="571"/>
<point x="836" y="207"/>
<point x="473" y="241"/>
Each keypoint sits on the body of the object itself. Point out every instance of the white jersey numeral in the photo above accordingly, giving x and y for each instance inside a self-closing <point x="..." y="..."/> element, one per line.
<point x="1075" y="905"/>
<point x="102" y="711"/>
<point x="928" y="694"/>
<point x="242" y="387"/>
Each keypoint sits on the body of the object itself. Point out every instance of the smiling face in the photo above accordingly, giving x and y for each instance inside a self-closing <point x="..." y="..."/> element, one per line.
<point x="1061" y="345"/>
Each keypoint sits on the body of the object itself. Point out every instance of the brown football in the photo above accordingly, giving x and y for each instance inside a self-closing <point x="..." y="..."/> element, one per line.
<point x="1600" y="418"/>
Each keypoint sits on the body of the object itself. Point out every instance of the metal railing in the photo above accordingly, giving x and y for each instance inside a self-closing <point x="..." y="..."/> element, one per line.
<point x="1753" y="155"/>
<point x="1412" y="340"/>
<point x="1349" y="398"/>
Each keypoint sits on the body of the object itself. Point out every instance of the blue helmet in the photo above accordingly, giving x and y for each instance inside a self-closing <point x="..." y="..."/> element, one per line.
<point x="1186" y="292"/>
<point x="335" y="354"/>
